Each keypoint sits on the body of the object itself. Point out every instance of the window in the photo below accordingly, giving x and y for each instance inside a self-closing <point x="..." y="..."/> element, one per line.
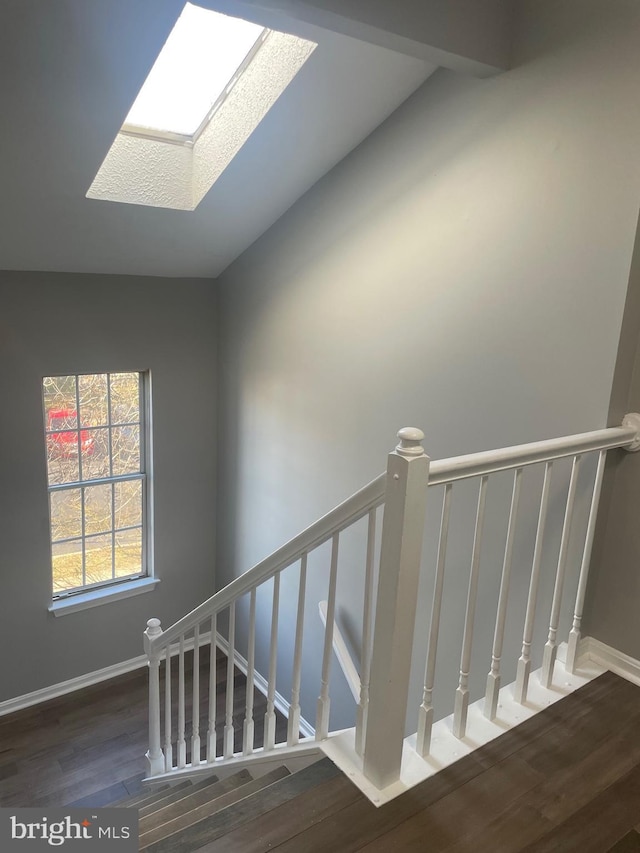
<point x="97" y="466"/>
<point x="202" y="59"/>
<point x="213" y="82"/>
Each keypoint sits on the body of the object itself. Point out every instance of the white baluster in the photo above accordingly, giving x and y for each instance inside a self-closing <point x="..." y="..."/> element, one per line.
<point x="323" y="706"/>
<point x="574" y="635"/>
<point x="228" y="725"/>
<point x="293" y="725"/>
<point x="524" y="663"/>
<point x="400" y="553"/>
<point x="551" y="646"/>
<point x="182" y="744"/>
<point x="168" y="748"/>
<point x="425" y="713"/>
<point x="213" y="660"/>
<point x="195" y="733"/>
<point x="363" y="705"/>
<point x="155" y="756"/>
<point x="270" y="715"/>
<point x="493" y="678"/>
<point x="461" y="705"/>
<point x="248" y="727"/>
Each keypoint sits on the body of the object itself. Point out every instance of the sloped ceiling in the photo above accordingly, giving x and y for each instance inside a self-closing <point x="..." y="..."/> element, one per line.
<point x="69" y="71"/>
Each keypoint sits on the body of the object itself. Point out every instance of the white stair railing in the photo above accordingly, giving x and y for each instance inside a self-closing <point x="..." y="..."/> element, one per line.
<point x="425" y="714"/>
<point x="183" y="753"/>
<point x="398" y="577"/>
<point x="387" y="634"/>
<point x="481" y="466"/>
<point x="155" y="757"/>
<point x="462" y="692"/>
<point x="574" y="634"/>
<point x="293" y="728"/>
<point x="494" y="679"/>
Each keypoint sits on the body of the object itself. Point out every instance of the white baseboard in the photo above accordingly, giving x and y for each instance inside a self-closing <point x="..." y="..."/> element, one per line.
<point x="260" y="682"/>
<point x="19" y="703"/>
<point x="10" y="706"/>
<point x="610" y="658"/>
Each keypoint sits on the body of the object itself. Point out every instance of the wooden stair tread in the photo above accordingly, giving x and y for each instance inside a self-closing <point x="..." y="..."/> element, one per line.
<point x="176" y="794"/>
<point x="200" y="835"/>
<point x="148" y="795"/>
<point x="630" y="843"/>
<point x="193" y="800"/>
<point x="191" y="829"/>
<point x="286" y="821"/>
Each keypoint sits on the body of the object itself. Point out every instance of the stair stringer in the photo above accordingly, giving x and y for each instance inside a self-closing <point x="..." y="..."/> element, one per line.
<point x="260" y="762"/>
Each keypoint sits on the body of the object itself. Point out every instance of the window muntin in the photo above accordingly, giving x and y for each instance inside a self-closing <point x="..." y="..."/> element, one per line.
<point x="95" y="434"/>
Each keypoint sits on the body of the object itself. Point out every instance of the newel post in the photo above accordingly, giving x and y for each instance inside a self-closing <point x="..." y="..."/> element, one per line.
<point x="155" y="756"/>
<point x="401" y="550"/>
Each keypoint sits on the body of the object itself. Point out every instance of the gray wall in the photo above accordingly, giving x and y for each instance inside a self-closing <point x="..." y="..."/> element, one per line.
<point x="613" y="594"/>
<point x="58" y="324"/>
<point x="469" y="35"/>
<point x="463" y="271"/>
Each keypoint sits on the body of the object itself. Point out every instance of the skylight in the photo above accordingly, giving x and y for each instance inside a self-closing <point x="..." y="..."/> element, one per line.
<point x="213" y="82"/>
<point x="197" y="64"/>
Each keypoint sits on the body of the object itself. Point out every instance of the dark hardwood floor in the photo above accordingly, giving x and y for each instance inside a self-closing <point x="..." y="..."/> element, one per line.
<point x="88" y="747"/>
<point x="565" y="780"/>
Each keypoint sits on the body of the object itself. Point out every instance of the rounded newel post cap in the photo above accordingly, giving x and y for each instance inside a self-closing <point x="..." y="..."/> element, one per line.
<point x="411" y="439"/>
<point x="153" y="628"/>
<point x="633" y="420"/>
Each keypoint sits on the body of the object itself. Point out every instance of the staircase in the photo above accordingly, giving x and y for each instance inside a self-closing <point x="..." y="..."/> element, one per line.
<point x="567" y="779"/>
<point x="190" y="817"/>
<point x="553" y="487"/>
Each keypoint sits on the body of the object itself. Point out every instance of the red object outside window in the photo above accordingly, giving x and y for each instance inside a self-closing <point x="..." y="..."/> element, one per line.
<point x="62" y="435"/>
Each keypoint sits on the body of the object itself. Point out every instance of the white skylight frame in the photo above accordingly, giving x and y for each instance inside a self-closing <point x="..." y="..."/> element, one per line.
<point x="164" y="168"/>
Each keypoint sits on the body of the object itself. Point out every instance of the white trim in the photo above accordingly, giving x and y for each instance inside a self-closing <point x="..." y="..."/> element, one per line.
<point x="505" y="458"/>
<point x="158" y="135"/>
<point x="10" y="706"/>
<point x="102" y="595"/>
<point x="306" y="752"/>
<point x="261" y="683"/>
<point x="342" y="653"/>
<point x="445" y="747"/>
<point x="619" y="662"/>
<point x="18" y="703"/>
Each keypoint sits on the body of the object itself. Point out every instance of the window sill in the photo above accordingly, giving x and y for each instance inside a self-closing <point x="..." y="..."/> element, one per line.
<point x="96" y="597"/>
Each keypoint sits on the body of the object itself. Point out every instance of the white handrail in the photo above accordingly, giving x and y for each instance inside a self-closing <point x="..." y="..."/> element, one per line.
<point x="520" y="455"/>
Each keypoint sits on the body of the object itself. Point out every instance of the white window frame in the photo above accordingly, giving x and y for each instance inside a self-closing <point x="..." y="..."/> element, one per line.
<point x="93" y="594"/>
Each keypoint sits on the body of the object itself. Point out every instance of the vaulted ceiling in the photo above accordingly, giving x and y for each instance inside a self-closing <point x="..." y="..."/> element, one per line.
<point x="70" y="69"/>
